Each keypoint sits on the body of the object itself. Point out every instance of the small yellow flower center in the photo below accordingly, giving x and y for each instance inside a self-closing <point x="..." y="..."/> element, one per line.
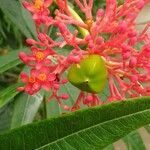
<point x="31" y="79"/>
<point x="89" y="23"/>
<point x="38" y="4"/>
<point x="39" y="55"/>
<point x="42" y="77"/>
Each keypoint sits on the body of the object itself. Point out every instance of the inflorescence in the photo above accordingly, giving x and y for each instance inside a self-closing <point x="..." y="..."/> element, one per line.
<point x="111" y="34"/>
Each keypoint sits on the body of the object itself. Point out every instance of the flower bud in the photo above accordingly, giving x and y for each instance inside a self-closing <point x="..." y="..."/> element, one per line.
<point x="64" y="96"/>
<point x="31" y="42"/>
<point x="132" y="62"/>
<point x="66" y="107"/>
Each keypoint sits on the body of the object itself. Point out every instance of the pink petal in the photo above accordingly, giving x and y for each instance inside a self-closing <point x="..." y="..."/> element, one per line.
<point x="34" y="73"/>
<point x="51" y="77"/>
<point x="28" y="6"/>
<point x="24" y="77"/>
<point x="47" y="61"/>
<point x="46" y="86"/>
<point x="38" y="65"/>
<point x="28" y="89"/>
<point x="20" y="89"/>
<point x="34" y="50"/>
<point x="44" y="70"/>
<point x="24" y="57"/>
<point x="47" y="3"/>
<point x="36" y="87"/>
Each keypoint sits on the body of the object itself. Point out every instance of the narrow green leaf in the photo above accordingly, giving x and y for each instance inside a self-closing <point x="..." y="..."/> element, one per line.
<point x="5" y="117"/>
<point x="10" y="60"/>
<point x="93" y="128"/>
<point x="12" y="9"/>
<point x="7" y="94"/>
<point x="134" y="141"/>
<point x="29" y="21"/>
<point x="25" y="108"/>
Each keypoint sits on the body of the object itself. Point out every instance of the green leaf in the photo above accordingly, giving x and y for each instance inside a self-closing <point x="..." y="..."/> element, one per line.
<point x="134" y="141"/>
<point x="13" y="10"/>
<point x="10" y="60"/>
<point x="72" y="91"/>
<point x="6" y="95"/>
<point x="93" y="128"/>
<point x="5" y="117"/>
<point x="53" y="108"/>
<point x="105" y="93"/>
<point x="25" y="108"/>
<point x="29" y="22"/>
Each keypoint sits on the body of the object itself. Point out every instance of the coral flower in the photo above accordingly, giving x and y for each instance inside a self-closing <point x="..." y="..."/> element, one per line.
<point x="37" y="58"/>
<point x="38" y="79"/>
<point x="105" y="50"/>
<point x="37" y="5"/>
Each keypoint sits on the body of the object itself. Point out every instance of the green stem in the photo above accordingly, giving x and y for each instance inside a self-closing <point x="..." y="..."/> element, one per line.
<point x="83" y="31"/>
<point x="74" y="14"/>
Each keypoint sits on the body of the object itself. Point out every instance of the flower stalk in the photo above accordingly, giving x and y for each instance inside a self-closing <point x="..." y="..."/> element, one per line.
<point x="76" y="16"/>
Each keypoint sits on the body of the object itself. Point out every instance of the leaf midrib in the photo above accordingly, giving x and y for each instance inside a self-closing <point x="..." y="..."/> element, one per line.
<point x="93" y="126"/>
<point x="23" y="117"/>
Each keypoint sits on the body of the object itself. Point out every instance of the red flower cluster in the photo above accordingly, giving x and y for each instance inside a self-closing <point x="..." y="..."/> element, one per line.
<point x="112" y="35"/>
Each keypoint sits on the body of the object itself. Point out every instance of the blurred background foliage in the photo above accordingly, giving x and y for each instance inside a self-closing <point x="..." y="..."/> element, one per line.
<point x="17" y="109"/>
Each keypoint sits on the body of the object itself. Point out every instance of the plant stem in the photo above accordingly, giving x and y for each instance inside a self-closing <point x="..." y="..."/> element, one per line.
<point x="83" y="31"/>
<point x="75" y="15"/>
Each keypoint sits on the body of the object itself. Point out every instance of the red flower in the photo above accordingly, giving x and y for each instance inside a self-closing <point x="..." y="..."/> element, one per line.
<point x="37" y="5"/>
<point x="44" y="77"/>
<point x="38" y="79"/>
<point x="31" y="86"/>
<point x="111" y="34"/>
<point x="37" y="59"/>
<point x="40" y="11"/>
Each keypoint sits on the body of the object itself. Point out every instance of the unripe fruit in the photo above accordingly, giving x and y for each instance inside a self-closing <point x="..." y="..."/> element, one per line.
<point x="89" y="75"/>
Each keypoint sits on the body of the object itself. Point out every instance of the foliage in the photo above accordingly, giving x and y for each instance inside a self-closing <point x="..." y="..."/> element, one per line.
<point x="96" y="128"/>
<point x="71" y="132"/>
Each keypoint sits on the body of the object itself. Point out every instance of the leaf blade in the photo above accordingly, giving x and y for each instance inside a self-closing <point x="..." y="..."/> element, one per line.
<point x="25" y="109"/>
<point x="13" y="10"/>
<point x="10" y="60"/>
<point x="92" y="128"/>
<point x="7" y="94"/>
<point x="134" y="140"/>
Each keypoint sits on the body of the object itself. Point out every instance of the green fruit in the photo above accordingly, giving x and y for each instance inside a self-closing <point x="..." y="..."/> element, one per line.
<point x="89" y="75"/>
